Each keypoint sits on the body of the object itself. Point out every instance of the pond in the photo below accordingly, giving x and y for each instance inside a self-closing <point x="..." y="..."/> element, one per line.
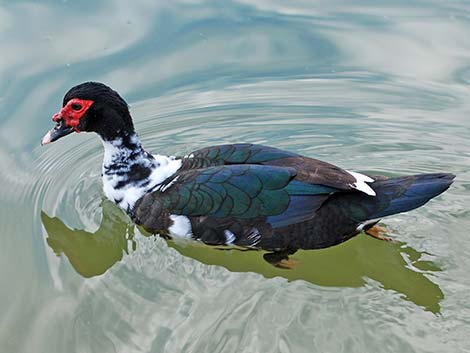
<point x="380" y="87"/>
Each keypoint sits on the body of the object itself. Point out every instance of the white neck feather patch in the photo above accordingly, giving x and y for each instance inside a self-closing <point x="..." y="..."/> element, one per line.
<point x="129" y="172"/>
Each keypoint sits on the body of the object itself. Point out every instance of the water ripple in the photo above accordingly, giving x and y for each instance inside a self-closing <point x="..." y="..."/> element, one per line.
<point x="381" y="89"/>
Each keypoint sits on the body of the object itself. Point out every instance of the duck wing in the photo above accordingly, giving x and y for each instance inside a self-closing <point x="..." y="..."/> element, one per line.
<point x="309" y="170"/>
<point x="238" y="199"/>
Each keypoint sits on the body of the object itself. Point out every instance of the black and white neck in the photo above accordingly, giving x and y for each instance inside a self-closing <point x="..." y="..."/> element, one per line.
<point x="129" y="171"/>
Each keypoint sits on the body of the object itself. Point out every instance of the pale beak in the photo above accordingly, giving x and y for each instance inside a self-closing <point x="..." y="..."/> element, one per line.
<point x="60" y="130"/>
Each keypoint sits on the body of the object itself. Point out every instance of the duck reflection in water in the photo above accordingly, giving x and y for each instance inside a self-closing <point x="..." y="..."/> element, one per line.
<point x="394" y="265"/>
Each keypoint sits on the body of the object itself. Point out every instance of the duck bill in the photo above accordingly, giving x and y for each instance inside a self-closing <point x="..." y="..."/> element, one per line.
<point x="60" y="130"/>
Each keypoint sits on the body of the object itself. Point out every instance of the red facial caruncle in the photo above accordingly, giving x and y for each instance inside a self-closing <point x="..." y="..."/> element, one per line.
<point x="72" y="112"/>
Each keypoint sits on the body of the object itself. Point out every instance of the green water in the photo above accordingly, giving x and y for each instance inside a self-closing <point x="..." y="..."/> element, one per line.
<point x="381" y="87"/>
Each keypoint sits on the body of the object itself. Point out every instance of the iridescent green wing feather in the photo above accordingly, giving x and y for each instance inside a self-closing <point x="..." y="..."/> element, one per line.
<point x="309" y="170"/>
<point x="244" y="191"/>
<point x="234" y="154"/>
<point x="232" y="193"/>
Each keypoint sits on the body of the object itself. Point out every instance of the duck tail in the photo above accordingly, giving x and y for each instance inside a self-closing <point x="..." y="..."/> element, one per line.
<point x="401" y="194"/>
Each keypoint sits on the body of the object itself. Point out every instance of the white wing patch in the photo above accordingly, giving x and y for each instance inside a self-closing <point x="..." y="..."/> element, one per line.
<point x="360" y="183"/>
<point x="229" y="237"/>
<point x="362" y="225"/>
<point x="254" y="237"/>
<point x="163" y="189"/>
<point x="181" y="227"/>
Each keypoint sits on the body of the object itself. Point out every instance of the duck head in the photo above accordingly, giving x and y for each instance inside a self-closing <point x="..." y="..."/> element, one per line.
<point x="91" y="107"/>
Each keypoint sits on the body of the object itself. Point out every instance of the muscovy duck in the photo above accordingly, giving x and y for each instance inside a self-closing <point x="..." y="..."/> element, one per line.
<point x="245" y="195"/>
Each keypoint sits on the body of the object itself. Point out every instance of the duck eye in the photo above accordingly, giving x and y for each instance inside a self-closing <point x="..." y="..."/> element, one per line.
<point x="76" y="106"/>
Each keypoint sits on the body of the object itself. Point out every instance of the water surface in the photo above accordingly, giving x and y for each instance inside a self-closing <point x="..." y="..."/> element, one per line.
<point x="380" y="87"/>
